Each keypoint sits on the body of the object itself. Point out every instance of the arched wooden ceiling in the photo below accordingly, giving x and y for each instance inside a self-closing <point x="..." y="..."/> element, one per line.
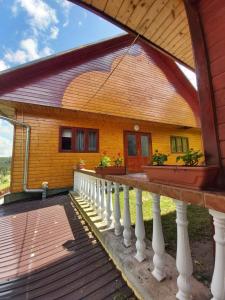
<point x="162" y="22"/>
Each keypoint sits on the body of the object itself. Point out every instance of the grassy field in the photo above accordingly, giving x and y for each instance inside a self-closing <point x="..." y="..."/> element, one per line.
<point x="200" y="230"/>
<point x="4" y="183"/>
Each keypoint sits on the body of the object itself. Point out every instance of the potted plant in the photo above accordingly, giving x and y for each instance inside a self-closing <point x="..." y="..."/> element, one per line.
<point x="190" y="175"/>
<point x="159" y="159"/>
<point x="80" y="164"/>
<point x="105" y="168"/>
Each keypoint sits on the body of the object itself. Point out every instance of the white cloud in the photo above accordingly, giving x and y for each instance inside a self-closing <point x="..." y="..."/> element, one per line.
<point x="6" y="145"/>
<point x="41" y="15"/>
<point x="3" y="65"/>
<point x="80" y="23"/>
<point x="28" y="51"/>
<point x="54" y="32"/>
<point x="66" y="6"/>
<point x="6" y="138"/>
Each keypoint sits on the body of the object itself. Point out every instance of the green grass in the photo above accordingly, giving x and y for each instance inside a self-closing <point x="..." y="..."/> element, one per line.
<point x="200" y="226"/>
<point x="5" y="182"/>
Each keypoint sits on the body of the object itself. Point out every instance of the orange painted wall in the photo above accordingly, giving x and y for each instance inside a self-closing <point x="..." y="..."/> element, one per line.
<point x="48" y="164"/>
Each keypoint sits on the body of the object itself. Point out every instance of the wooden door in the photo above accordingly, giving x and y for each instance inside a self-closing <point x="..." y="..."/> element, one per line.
<point x="137" y="149"/>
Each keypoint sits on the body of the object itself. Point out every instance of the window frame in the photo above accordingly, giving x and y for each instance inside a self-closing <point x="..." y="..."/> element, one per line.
<point x="86" y="142"/>
<point x="181" y="137"/>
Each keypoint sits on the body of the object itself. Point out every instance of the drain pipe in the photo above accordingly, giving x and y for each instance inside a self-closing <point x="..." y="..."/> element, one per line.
<point x="26" y="160"/>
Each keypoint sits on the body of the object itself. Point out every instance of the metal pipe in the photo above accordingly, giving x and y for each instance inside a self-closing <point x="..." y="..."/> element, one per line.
<point x="26" y="160"/>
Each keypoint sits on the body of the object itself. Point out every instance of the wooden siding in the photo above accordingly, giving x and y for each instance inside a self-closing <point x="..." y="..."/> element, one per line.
<point x="48" y="164"/>
<point x="213" y="20"/>
<point x="146" y="84"/>
<point x="138" y="88"/>
<point x="162" y="22"/>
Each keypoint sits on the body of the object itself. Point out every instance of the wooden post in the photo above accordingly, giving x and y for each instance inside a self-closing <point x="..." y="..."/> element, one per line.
<point x="158" y="244"/>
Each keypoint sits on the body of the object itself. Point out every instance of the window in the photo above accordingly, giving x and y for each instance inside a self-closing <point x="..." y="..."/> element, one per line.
<point x="132" y="146"/>
<point x="179" y="144"/>
<point x="74" y="139"/>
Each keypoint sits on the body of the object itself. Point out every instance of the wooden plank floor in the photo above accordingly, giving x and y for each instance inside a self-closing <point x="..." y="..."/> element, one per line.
<point x="48" y="252"/>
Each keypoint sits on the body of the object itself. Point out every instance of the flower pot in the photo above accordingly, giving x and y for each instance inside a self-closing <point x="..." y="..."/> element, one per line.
<point x="189" y="177"/>
<point x="112" y="170"/>
<point x="80" y="166"/>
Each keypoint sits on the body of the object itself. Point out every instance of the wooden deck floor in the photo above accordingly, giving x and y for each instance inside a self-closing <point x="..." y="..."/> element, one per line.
<point x="48" y="252"/>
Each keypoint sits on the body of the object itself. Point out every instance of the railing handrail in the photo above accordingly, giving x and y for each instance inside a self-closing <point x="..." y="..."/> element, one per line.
<point x="207" y="199"/>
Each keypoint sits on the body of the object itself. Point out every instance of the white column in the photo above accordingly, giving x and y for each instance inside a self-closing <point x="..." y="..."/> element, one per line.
<point x="103" y="199"/>
<point x="126" y="218"/>
<point x="98" y="197"/>
<point x="139" y="228"/>
<point x="109" y="204"/>
<point x="81" y="185"/>
<point x="93" y="192"/>
<point x="117" y="214"/>
<point x="218" y="280"/>
<point x="88" y="189"/>
<point x="158" y="244"/>
<point x="183" y="260"/>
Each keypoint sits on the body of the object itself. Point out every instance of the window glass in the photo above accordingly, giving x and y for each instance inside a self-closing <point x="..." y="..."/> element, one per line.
<point x="185" y="144"/>
<point x="92" y="141"/>
<point x="179" y="144"/>
<point x="132" y="145"/>
<point x="80" y="140"/>
<point x="66" y="139"/>
<point x="144" y="146"/>
<point x="173" y="145"/>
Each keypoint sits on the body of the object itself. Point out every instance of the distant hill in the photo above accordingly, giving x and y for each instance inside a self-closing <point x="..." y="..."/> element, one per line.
<point x="5" y="165"/>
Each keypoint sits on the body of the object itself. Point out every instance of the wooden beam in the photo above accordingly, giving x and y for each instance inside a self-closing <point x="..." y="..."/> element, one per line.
<point x="108" y="18"/>
<point x="205" y="90"/>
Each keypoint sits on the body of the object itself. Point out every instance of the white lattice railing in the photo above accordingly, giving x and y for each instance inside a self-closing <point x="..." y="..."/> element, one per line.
<point x="97" y="192"/>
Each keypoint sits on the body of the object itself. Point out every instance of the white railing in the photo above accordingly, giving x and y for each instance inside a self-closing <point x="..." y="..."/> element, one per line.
<point x="98" y="194"/>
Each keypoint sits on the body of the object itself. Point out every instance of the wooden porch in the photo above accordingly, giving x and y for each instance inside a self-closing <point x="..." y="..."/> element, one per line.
<point x="48" y="252"/>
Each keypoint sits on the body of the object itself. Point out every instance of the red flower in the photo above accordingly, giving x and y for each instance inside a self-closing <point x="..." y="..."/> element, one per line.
<point x="118" y="153"/>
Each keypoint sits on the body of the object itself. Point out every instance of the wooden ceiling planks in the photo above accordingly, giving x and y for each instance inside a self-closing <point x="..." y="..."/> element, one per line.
<point x="163" y="22"/>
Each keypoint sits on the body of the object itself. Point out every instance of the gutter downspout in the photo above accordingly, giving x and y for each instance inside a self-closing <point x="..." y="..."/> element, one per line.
<point x="26" y="160"/>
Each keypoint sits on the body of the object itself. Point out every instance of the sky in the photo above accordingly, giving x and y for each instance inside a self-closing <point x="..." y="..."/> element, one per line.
<point x="31" y="29"/>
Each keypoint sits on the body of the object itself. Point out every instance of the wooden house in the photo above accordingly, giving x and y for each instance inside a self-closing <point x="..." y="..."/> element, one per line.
<point x="115" y="96"/>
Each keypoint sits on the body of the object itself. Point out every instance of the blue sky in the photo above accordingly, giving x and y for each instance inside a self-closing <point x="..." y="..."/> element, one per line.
<point x="31" y="29"/>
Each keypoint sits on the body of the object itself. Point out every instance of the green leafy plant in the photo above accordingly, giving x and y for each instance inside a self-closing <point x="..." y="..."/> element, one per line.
<point x="81" y="161"/>
<point x="118" y="160"/>
<point x="190" y="158"/>
<point x="158" y="159"/>
<point x="105" y="161"/>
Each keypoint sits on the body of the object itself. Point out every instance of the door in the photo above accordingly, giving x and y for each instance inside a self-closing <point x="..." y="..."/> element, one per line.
<point x="137" y="149"/>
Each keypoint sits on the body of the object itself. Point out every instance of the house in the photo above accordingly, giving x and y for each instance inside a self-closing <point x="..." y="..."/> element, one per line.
<point x="173" y="27"/>
<point x="112" y="96"/>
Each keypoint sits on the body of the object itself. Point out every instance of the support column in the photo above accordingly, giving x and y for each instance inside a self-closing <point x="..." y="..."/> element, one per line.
<point x="103" y="199"/>
<point x="218" y="280"/>
<point x="139" y="228"/>
<point x="117" y="213"/>
<point x="183" y="261"/>
<point x="109" y="204"/>
<point x="126" y="218"/>
<point x="158" y="243"/>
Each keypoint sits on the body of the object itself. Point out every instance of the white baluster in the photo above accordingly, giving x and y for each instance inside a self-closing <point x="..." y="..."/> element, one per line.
<point x="103" y="199"/>
<point x="88" y="190"/>
<point x="98" y="197"/>
<point x="218" y="284"/>
<point x="158" y="244"/>
<point x="139" y="228"/>
<point x="81" y="186"/>
<point x="126" y="218"/>
<point x="183" y="260"/>
<point x="108" y="204"/>
<point x="117" y="214"/>
<point x="93" y="192"/>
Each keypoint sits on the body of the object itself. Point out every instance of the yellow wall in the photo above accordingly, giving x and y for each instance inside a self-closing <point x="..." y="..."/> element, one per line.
<point x="48" y="164"/>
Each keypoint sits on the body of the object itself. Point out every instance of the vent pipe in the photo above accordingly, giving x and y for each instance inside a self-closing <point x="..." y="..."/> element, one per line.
<point x="26" y="160"/>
